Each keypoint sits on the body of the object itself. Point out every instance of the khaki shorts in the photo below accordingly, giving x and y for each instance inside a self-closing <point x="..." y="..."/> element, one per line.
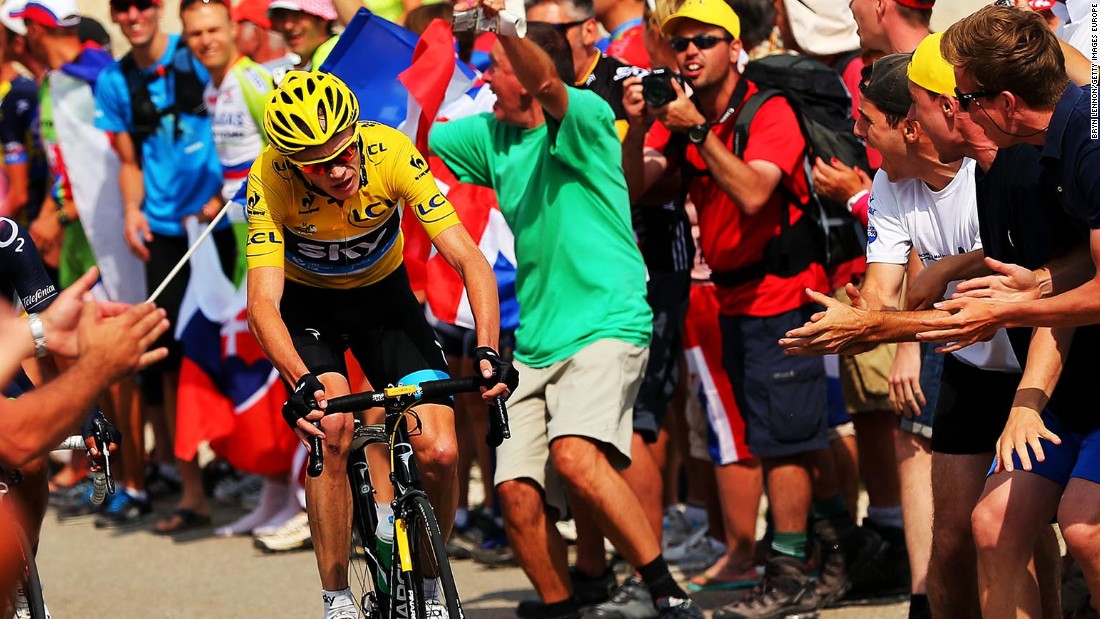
<point x="865" y="378"/>
<point x="590" y="394"/>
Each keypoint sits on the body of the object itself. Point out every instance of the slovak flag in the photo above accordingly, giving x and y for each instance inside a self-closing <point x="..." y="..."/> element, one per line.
<point x="376" y="58"/>
<point x="229" y="393"/>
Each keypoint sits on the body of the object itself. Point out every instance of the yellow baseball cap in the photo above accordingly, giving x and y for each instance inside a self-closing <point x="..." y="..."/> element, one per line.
<point x="713" y="12"/>
<point x="929" y="70"/>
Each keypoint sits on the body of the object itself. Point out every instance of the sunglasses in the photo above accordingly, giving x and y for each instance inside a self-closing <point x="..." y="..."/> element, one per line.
<point x="186" y="4"/>
<point x="141" y="5"/>
<point x="966" y="97"/>
<point x="319" y="168"/>
<point x="702" y="41"/>
<point x="563" y="27"/>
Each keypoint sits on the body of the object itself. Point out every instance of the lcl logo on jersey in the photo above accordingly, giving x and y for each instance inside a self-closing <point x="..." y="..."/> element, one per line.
<point x="427" y="213"/>
<point x="367" y="215"/>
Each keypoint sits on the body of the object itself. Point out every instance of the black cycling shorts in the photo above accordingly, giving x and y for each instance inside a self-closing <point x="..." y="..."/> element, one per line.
<point x="382" y="324"/>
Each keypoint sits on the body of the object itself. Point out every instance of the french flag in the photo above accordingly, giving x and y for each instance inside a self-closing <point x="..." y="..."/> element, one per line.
<point x="412" y="83"/>
<point x="229" y="393"/>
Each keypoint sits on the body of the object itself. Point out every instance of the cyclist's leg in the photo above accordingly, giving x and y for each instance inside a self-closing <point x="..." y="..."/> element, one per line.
<point x="33" y="494"/>
<point x="436" y="449"/>
<point x="328" y="496"/>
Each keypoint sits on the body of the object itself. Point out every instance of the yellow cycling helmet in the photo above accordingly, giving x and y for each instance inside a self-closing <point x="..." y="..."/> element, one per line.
<point x="307" y="109"/>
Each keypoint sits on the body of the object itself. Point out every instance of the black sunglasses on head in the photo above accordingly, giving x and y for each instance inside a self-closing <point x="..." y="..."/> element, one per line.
<point x="966" y="97"/>
<point x="562" y="27"/>
<point x="125" y="5"/>
<point x="701" y="41"/>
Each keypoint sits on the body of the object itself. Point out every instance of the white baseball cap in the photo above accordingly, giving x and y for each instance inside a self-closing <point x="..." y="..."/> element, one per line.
<point x="822" y="27"/>
<point x="50" y="13"/>
<point x="321" y="8"/>
<point x="15" y="24"/>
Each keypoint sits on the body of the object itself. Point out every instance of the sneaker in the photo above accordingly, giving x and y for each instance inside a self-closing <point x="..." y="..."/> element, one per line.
<point x="63" y="497"/>
<point x="630" y="601"/>
<point x="679" y="532"/>
<point x="700" y="555"/>
<point x="293" y="535"/>
<point x="161" y="482"/>
<point x="80" y="507"/>
<point x="123" y="510"/>
<point x="22" y="608"/>
<point x="889" y="576"/>
<point x="233" y="489"/>
<point x="678" y="608"/>
<point x="784" y="592"/>
<point x="535" y="609"/>
<point x="845" y="557"/>
<point x="568" y="530"/>
<point x="495" y="552"/>
<point x="588" y="590"/>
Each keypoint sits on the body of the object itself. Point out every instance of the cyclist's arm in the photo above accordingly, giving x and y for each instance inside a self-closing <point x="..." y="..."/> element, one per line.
<point x="265" y="289"/>
<point x="17" y="187"/>
<point x="459" y="250"/>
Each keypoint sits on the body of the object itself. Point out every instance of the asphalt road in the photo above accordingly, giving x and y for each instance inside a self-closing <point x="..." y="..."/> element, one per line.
<point x="135" y="574"/>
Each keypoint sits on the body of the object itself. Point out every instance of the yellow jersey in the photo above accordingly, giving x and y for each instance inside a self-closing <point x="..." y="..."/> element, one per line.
<point x="323" y="242"/>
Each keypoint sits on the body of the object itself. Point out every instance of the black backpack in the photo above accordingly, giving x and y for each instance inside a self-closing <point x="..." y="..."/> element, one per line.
<point x="184" y="84"/>
<point x="829" y="235"/>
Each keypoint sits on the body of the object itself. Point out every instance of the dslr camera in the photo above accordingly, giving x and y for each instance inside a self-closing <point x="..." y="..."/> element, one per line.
<point x="473" y="21"/>
<point x="657" y="87"/>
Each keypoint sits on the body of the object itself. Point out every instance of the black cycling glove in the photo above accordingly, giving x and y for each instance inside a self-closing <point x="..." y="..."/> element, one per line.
<point x="503" y="371"/>
<point x="301" y="403"/>
<point x="95" y="424"/>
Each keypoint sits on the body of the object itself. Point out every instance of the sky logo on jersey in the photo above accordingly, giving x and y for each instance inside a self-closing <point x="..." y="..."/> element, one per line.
<point x="343" y="257"/>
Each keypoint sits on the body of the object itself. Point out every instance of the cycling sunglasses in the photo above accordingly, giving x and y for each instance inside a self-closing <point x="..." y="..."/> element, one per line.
<point x="702" y="41"/>
<point x="122" y="6"/>
<point x="343" y="157"/>
<point x="966" y="97"/>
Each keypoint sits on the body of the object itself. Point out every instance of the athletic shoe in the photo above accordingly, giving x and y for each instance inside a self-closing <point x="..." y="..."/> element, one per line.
<point x="495" y="552"/>
<point x="631" y="600"/>
<point x="588" y="590"/>
<point x="845" y="557"/>
<point x="889" y="576"/>
<point x="534" y="609"/>
<point x="22" y="609"/>
<point x="679" y="531"/>
<point x="434" y="608"/>
<point x="700" y="555"/>
<point x="162" y="482"/>
<point x="123" y="510"/>
<point x="678" y="608"/>
<point x="784" y="592"/>
<point x="80" y="507"/>
<point x="233" y="489"/>
<point x="293" y="535"/>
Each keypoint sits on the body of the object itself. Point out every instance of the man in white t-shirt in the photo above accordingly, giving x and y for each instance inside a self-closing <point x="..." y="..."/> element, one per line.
<point x="919" y="204"/>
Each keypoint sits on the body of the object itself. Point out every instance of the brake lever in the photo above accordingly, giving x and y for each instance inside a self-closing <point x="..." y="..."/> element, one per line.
<point x="102" y="437"/>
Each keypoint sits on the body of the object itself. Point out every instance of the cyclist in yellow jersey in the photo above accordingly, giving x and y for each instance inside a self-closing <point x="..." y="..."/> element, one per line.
<point x="326" y="274"/>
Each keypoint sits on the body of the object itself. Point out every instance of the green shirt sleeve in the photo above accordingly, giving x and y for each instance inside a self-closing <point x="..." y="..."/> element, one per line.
<point x="463" y="145"/>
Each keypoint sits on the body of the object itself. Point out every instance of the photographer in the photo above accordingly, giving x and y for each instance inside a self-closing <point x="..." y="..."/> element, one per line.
<point x="742" y="202"/>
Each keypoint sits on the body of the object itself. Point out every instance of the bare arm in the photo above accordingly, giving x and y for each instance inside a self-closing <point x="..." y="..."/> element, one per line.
<point x="110" y="348"/>
<point x="17" y="188"/>
<point x="642" y="167"/>
<point x="1045" y="360"/>
<point x="536" y="72"/>
<point x="132" y="185"/>
<point x="265" y="289"/>
<point x="1078" y="66"/>
<point x="930" y="284"/>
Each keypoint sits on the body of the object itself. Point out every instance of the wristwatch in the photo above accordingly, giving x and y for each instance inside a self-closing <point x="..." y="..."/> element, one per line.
<point x="698" y="133"/>
<point x="38" y="333"/>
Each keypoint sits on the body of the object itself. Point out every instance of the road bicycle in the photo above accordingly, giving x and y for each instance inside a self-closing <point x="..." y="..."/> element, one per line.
<point x="102" y="485"/>
<point x="393" y="586"/>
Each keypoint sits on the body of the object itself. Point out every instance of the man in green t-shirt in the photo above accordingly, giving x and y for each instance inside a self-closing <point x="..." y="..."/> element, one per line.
<point x="552" y="154"/>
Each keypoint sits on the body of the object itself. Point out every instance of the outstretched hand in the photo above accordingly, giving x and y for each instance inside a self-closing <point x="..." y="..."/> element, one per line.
<point x="1023" y="430"/>
<point x="837" y="329"/>
<point x="118" y="345"/>
<point x="1009" y="282"/>
<point x="971" y="321"/>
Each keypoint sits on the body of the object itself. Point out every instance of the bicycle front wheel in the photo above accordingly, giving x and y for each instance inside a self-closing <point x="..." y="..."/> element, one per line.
<point x="29" y="581"/>
<point x="431" y="581"/>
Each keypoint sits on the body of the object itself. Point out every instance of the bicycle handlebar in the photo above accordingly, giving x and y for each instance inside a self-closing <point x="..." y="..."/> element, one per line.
<point x="498" y="411"/>
<point x="102" y="481"/>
